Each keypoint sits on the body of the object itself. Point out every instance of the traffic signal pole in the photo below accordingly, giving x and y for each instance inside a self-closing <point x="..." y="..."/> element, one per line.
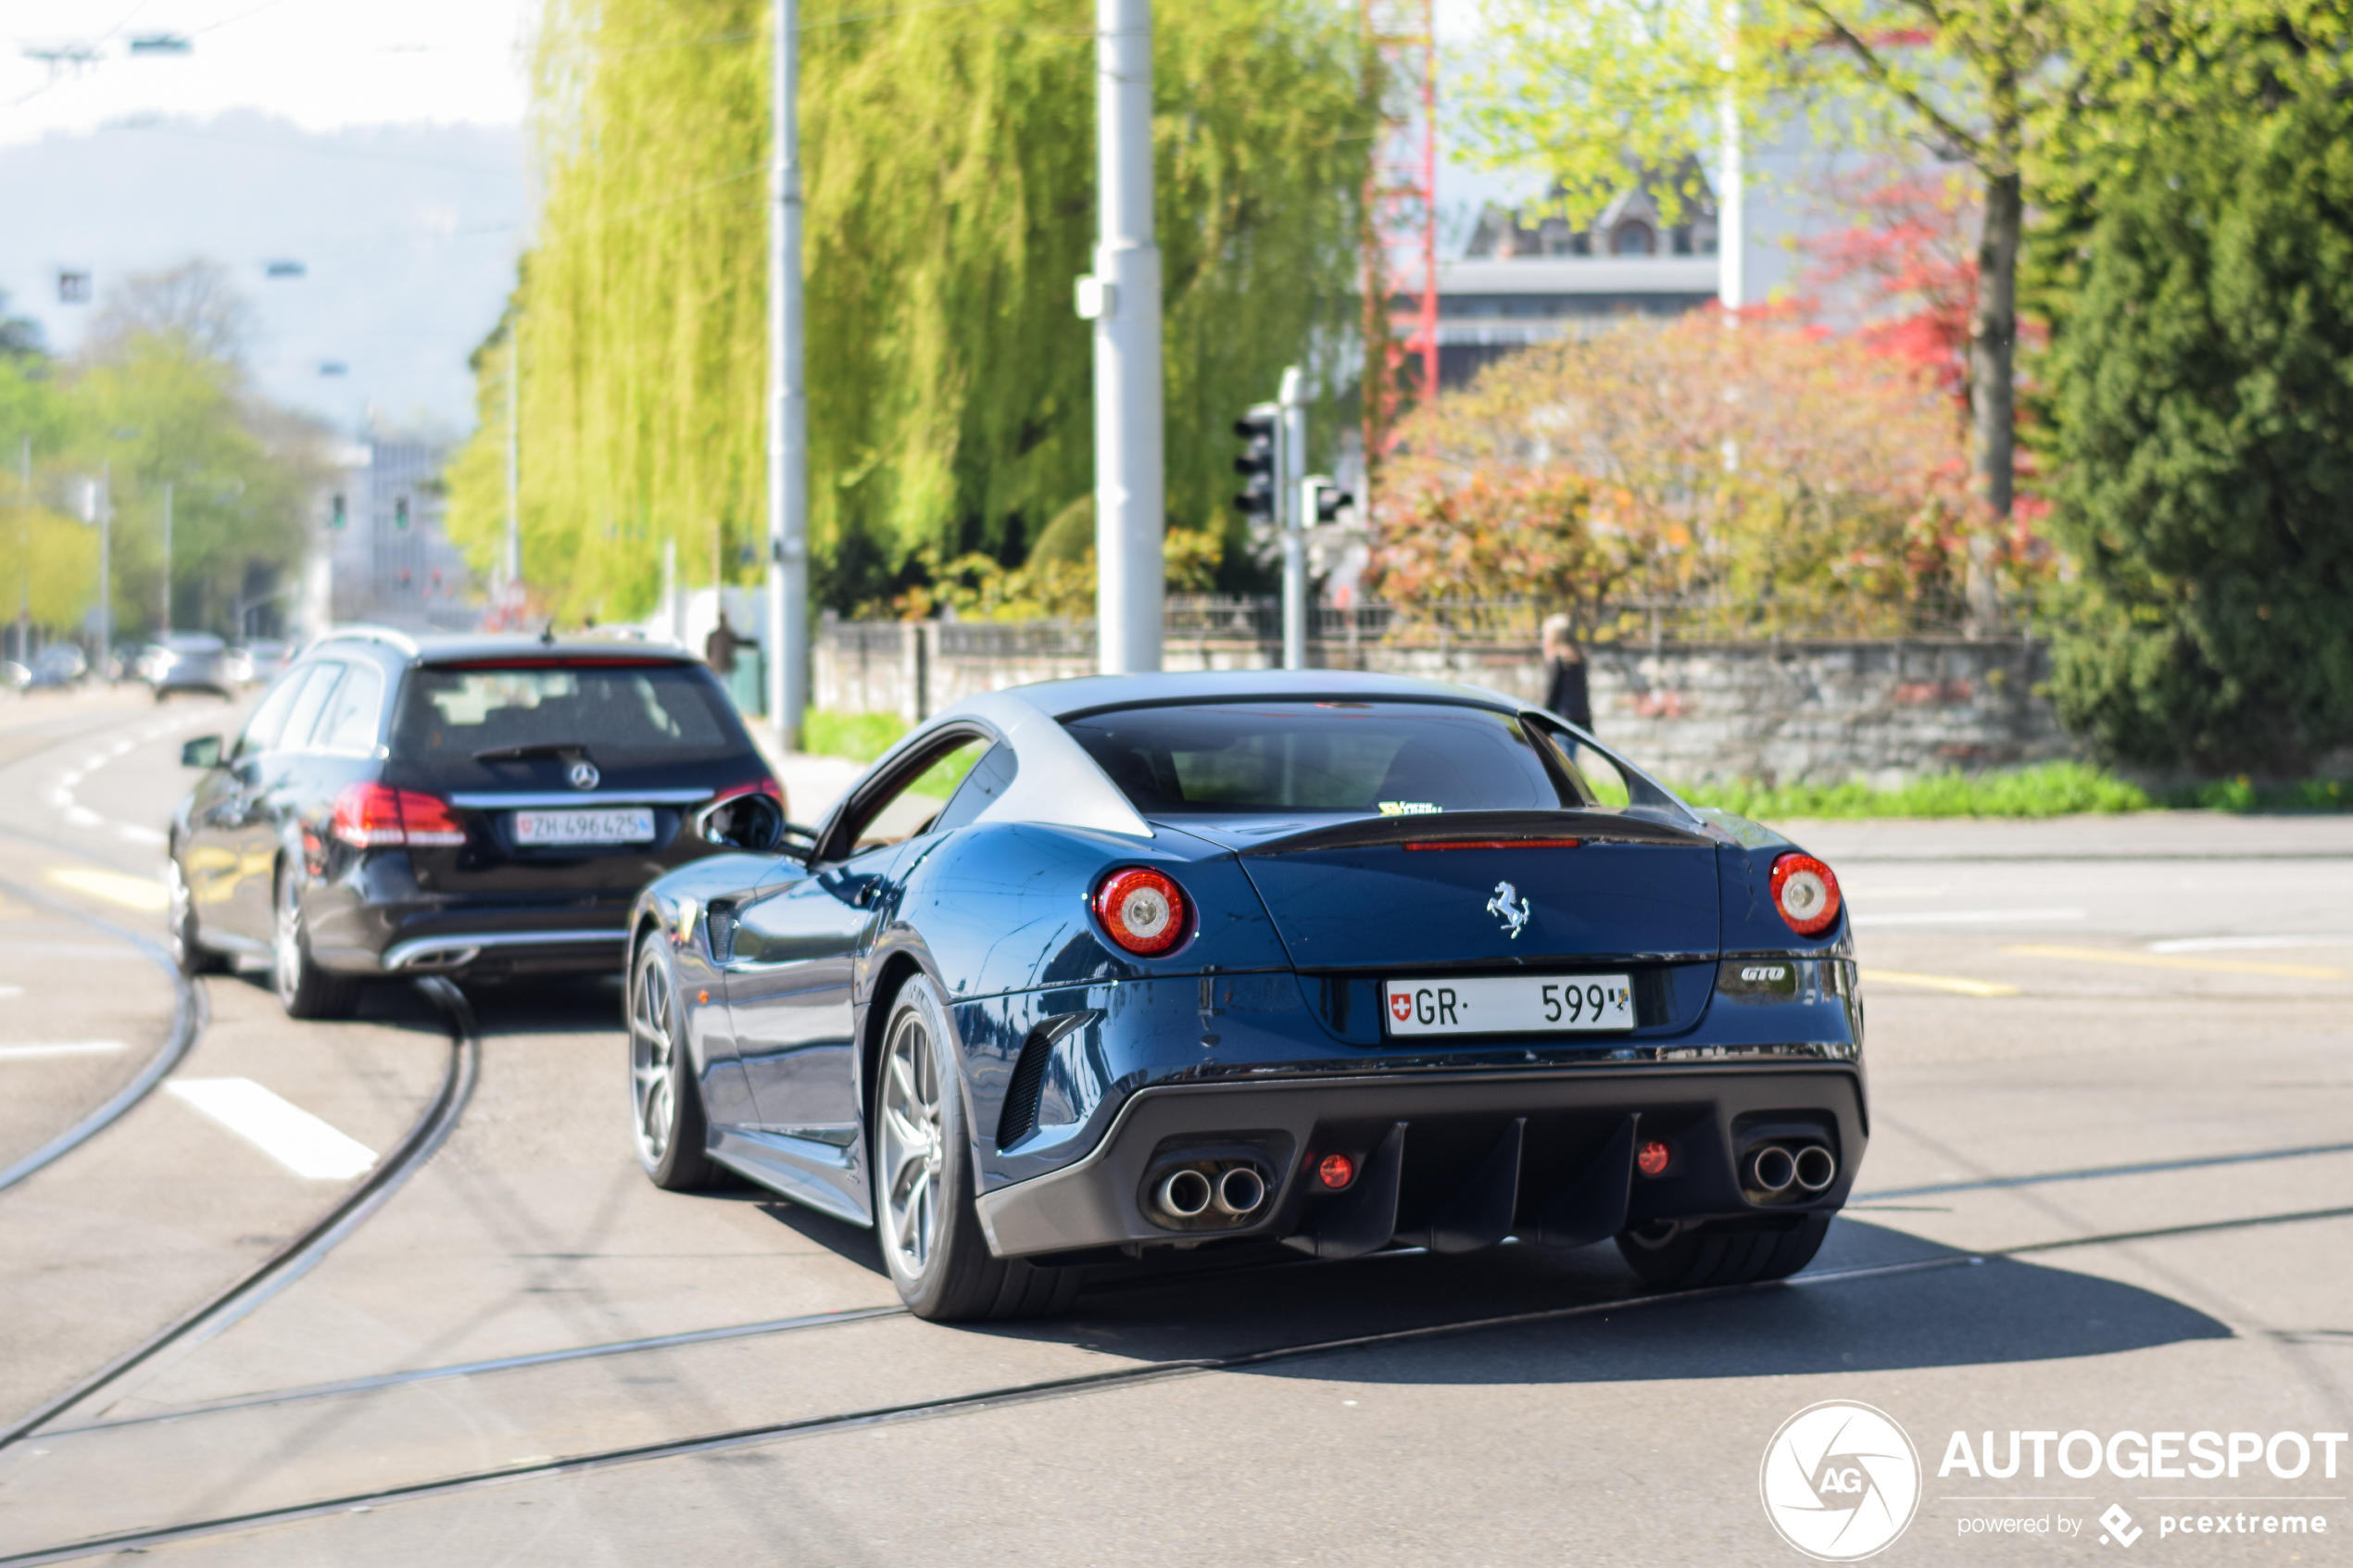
<point x="1123" y="298"/>
<point x="1290" y="456"/>
<point x="787" y="639"/>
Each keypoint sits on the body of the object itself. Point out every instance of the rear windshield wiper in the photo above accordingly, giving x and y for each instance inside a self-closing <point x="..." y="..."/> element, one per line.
<point x="522" y="753"/>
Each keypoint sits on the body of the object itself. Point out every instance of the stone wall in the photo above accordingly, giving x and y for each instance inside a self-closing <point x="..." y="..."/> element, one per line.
<point x="1819" y="713"/>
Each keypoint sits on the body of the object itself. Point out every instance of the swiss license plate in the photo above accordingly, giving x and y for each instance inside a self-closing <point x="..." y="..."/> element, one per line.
<point x="1509" y="1004"/>
<point x="620" y="824"/>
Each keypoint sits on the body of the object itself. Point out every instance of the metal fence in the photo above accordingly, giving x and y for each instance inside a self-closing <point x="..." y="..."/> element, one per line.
<point x="1224" y="618"/>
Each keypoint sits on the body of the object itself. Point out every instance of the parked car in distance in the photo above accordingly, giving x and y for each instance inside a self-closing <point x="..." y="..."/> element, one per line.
<point x="457" y="805"/>
<point x="56" y="667"/>
<point x="187" y="661"/>
<point x="258" y="660"/>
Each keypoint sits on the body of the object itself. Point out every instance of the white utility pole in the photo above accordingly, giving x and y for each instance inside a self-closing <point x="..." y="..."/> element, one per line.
<point x="1290" y="466"/>
<point x="24" y="552"/>
<point x="510" y="551"/>
<point x="167" y="559"/>
<point x="102" y="505"/>
<point x="1732" y="240"/>
<point x="1123" y="298"/>
<point x="787" y="646"/>
<point x="674" y="606"/>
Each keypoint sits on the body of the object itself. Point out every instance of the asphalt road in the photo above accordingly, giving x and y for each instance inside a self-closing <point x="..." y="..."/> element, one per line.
<point x="2143" y="1018"/>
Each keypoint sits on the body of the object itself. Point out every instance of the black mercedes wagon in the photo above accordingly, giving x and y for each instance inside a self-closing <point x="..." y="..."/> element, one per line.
<point x="478" y="806"/>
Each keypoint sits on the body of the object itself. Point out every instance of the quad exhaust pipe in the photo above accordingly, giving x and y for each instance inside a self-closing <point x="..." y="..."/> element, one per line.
<point x="1188" y="1193"/>
<point x="1239" y="1191"/>
<point x="1775" y="1168"/>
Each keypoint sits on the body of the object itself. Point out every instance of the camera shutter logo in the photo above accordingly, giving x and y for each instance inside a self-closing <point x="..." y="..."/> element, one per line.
<point x="1840" y="1481"/>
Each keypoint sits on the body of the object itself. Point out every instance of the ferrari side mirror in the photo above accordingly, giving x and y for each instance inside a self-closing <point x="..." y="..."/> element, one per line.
<point x="753" y="822"/>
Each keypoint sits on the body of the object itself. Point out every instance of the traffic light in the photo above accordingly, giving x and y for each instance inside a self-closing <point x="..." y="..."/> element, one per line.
<point x="339" y="514"/>
<point x="1258" y="463"/>
<point x="401" y="512"/>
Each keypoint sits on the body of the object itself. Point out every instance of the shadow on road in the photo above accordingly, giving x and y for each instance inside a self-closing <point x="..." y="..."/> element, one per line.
<point x="1955" y="1312"/>
<point x="1943" y="1310"/>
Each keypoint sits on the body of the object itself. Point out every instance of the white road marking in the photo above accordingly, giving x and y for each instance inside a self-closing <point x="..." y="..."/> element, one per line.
<point x="2250" y="944"/>
<point x="137" y="835"/>
<point x="11" y="990"/>
<point x="82" y="817"/>
<point x="131" y="891"/>
<point x="1952" y="982"/>
<point x="1968" y="917"/>
<point x="60" y="1048"/>
<point x="281" y="1129"/>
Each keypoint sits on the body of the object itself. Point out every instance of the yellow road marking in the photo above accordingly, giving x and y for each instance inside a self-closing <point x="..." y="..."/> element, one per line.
<point x="2167" y="960"/>
<point x="131" y="891"/>
<point x="1938" y="983"/>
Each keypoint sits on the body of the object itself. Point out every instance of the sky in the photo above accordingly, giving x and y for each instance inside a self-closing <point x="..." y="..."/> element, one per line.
<point x="378" y="146"/>
<point x="378" y="143"/>
<point x="322" y="64"/>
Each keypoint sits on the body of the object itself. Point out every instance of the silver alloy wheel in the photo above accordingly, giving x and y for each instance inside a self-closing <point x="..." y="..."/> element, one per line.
<point x="912" y="1146"/>
<point x="184" y="910"/>
<point x="287" y="951"/>
<point x="652" y="1060"/>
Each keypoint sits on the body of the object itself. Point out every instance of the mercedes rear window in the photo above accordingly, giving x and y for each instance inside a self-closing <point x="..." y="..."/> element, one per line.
<point x="671" y="711"/>
<point x="1393" y="759"/>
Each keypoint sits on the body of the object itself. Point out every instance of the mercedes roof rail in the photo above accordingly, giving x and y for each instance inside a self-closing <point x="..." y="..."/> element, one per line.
<point x="387" y="635"/>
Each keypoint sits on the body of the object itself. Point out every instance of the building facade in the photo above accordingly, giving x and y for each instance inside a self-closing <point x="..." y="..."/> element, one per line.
<point x="389" y="561"/>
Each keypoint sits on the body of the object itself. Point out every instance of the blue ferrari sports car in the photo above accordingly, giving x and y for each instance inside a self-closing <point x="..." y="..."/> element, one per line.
<point x="1103" y="969"/>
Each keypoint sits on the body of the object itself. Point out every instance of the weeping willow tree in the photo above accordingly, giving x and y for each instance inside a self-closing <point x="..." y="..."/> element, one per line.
<point x="950" y="186"/>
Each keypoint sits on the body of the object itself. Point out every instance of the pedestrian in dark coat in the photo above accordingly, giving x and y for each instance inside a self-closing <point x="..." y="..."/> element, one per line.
<point x="1565" y="692"/>
<point x="719" y="648"/>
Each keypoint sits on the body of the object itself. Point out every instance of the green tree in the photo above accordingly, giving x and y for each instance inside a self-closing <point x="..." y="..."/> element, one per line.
<point x="160" y="396"/>
<point x="2202" y="413"/>
<point x="948" y="180"/>
<point x="1587" y="88"/>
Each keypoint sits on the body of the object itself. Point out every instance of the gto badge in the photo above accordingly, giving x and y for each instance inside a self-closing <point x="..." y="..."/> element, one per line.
<point x="583" y="774"/>
<point x="1510" y="908"/>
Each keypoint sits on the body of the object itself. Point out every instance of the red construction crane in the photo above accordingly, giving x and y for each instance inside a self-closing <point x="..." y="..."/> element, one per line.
<point x="1400" y="216"/>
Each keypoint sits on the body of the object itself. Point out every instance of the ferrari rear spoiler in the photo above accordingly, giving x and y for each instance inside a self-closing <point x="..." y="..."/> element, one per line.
<point x="1487" y="830"/>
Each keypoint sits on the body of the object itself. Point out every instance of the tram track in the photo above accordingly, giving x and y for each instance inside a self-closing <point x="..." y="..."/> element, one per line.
<point x="190" y="1013"/>
<point x="304" y="1251"/>
<point x="978" y="1402"/>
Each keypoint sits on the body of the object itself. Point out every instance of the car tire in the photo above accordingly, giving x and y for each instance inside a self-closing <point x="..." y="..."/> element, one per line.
<point x="186" y="936"/>
<point x="664" y="1101"/>
<point x="922" y="1174"/>
<point x="304" y="989"/>
<point x="1710" y="1256"/>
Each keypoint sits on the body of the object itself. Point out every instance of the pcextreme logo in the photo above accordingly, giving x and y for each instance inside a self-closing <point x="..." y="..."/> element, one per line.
<point x="1840" y="1481"/>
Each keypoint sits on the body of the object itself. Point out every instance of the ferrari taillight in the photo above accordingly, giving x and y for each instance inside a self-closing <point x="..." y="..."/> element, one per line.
<point x="374" y="816"/>
<point x="1805" y="891"/>
<point x="1141" y="910"/>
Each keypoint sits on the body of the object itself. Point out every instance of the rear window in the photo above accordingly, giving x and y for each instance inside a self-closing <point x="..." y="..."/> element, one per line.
<point x="1394" y="759"/>
<point x="604" y="709"/>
